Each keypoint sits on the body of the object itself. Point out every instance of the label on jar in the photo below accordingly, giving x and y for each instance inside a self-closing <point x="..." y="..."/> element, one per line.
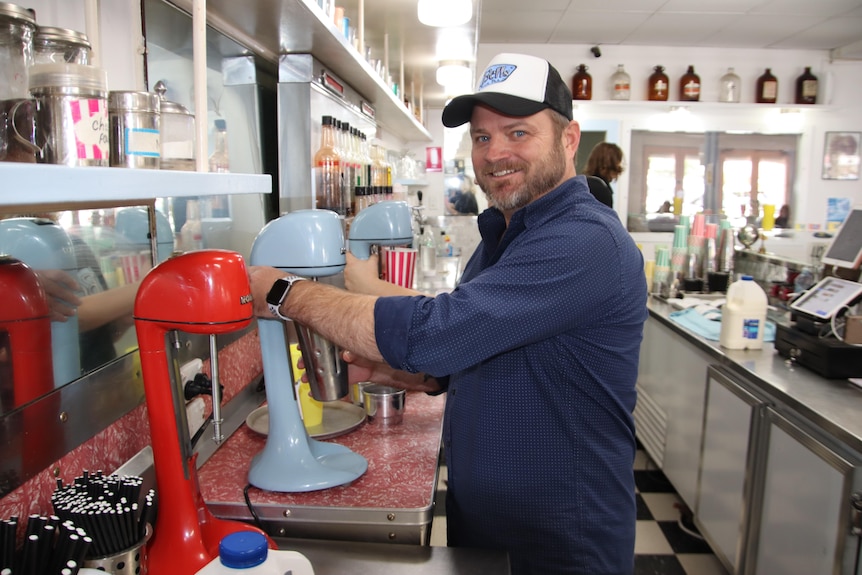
<point x="622" y="90"/>
<point x="770" y="90"/>
<point x="691" y="89"/>
<point x="90" y="124"/>
<point x="660" y="87"/>
<point x="809" y="88"/>
<point x="142" y="142"/>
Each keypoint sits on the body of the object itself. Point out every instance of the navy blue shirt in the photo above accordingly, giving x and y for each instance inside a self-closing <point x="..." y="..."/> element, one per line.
<point x="540" y="341"/>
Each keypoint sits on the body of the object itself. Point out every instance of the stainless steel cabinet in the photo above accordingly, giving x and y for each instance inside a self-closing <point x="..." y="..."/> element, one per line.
<point x="669" y="413"/>
<point x="732" y="421"/>
<point x="803" y="524"/>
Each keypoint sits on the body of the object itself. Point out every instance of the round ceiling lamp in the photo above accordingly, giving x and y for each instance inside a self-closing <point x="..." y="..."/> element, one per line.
<point x="454" y="73"/>
<point x="443" y="13"/>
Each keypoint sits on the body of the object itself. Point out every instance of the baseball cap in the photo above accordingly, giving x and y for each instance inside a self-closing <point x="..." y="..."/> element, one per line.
<point x="516" y="85"/>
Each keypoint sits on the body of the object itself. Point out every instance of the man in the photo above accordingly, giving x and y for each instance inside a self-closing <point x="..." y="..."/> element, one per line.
<point x="537" y="347"/>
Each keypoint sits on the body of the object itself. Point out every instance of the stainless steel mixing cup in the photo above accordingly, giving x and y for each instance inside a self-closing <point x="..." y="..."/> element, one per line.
<point x="326" y="370"/>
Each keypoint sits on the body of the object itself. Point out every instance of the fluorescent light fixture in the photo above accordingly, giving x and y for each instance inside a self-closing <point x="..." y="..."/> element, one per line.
<point x="443" y="13"/>
<point x="451" y="73"/>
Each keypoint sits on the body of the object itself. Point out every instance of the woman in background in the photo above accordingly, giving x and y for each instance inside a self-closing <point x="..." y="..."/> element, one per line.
<point x="605" y="164"/>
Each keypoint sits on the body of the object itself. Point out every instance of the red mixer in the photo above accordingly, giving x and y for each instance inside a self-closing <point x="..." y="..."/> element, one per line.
<point x="201" y="292"/>
<point x="25" y="335"/>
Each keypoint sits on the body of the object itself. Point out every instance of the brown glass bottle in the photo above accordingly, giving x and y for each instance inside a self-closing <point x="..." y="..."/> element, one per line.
<point x="767" y="88"/>
<point x="689" y="86"/>
<point x="582" y="84"/>
<point x="658" y="85"/>
<point x="806" y="87"/>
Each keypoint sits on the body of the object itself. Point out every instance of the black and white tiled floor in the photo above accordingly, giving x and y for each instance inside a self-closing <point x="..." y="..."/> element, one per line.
<point x="665" y="543"/>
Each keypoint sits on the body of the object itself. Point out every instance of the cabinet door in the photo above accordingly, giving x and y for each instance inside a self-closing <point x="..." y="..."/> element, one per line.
<point x="731" y="424"/>
<point x="671" y="394"/>
<point x="803" y="527"/>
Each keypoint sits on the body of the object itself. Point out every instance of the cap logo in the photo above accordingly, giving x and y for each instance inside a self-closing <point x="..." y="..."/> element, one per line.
<point x="496" y="74"/>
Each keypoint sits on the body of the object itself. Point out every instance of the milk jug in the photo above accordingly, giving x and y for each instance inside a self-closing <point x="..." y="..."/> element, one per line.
<point x="246" y="553"/>
<point x="743" y="317"/>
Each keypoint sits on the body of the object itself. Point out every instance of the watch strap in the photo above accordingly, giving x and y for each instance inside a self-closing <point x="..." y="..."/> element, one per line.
<point x="278" y="293"/>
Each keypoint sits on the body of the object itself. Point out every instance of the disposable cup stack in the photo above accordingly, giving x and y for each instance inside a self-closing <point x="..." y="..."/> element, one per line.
<point x="400" y="266"/>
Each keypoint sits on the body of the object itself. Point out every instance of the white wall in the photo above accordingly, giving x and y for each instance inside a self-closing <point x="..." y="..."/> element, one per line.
<point x="841" y="110"/>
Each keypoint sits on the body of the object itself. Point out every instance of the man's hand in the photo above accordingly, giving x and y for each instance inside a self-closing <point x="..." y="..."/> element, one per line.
<point x="362" y="369"/>
<point x="261" y="279"/>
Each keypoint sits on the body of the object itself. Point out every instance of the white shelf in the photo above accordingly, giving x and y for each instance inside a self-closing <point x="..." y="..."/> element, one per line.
<point x="699" y="105"/>
<point x="406" y="182"/>
<point x="34" y="184"/>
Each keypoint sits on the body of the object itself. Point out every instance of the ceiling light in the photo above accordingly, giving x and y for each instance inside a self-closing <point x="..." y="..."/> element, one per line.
<point x="454" y="73"/>
<point x="445" y="12"/>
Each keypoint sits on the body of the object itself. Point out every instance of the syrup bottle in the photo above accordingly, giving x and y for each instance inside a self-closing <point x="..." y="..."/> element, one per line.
<point x="621" y="84"/>
<point x="582" y="84"/>
<point x="658" y="85"/>
<point x="767" y="88"/>
<point x="806" y="87"/>
<point x="327" y="170"/>
<point x="689" y="86"/>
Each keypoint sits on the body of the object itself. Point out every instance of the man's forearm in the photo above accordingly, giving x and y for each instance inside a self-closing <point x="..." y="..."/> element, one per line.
<point x="342" y="317"/>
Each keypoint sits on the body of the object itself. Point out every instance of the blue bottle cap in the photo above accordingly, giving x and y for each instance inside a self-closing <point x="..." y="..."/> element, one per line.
<point x="243" y="549"/>
<point x="747" y="278"/>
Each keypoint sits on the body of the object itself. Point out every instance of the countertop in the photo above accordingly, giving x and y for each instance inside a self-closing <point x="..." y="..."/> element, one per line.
<point x="834" y="405"/>
<point x="391" y="502"/>
<point x="337" y="558"/>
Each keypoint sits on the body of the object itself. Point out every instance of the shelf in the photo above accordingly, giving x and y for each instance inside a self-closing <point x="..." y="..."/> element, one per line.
<point x="274" y="27"/>
<point x="35" y="184"/>
<point x="417" y="183"/>
<point x="692" y="106"/>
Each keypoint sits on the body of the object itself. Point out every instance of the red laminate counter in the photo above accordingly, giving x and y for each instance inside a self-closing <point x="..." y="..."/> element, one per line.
<point x="391" y="502"/>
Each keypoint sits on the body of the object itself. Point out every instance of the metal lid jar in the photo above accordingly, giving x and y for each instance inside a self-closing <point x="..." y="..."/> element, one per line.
<point x="72" y="113"/>
<point x="134" y="125"/>
<point x="52" y="44"/>
<point x="17" y="25"/>
<point x="177" y="128"/>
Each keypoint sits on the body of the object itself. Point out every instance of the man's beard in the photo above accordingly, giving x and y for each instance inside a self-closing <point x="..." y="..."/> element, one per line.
<point x="541" y="178"/>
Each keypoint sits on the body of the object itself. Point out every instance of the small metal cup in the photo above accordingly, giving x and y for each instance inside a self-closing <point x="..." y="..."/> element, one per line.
<point x="384" y="405"/>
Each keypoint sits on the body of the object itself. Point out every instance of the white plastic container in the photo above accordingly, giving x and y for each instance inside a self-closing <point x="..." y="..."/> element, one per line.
<point x="743" y="317"/>
<point x="246" y="553"/>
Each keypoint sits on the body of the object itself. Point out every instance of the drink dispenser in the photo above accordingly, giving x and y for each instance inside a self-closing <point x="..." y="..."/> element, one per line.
<point x="43" y="244"/>
<point x="204" y="292"/>
<point x="25" y="330"/>
<point x="308" y="243"/>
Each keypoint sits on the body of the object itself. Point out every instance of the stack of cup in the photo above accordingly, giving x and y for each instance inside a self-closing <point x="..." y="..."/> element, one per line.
<point x="661" y="272"/>
<point x="679" y="252"/>
<point x="400" y="266"/>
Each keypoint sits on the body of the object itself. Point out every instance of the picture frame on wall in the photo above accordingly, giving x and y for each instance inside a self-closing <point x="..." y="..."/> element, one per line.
<point x="841" y="156"/>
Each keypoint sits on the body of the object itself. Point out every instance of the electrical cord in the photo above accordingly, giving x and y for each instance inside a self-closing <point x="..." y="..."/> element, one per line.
<point x="251" y="508"/>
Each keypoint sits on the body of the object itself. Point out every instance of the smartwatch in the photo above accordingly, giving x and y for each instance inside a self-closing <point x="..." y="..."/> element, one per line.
<point x="278" y="293"/>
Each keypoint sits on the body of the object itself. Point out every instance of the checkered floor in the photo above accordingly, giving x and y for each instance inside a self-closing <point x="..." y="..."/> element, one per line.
<point x="666" y="543"/>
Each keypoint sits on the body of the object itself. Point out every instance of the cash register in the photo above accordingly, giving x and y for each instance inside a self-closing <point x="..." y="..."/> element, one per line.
<point x="815" y="336"/>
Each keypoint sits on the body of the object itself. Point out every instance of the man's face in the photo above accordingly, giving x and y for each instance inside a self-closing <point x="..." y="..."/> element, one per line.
<point x="519" y="159"/>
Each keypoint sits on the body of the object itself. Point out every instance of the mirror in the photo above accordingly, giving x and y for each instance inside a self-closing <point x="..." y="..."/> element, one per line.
<point x="89" y="264"/>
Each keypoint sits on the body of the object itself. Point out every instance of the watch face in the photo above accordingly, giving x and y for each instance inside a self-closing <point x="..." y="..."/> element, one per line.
<point x="277" y="292"/>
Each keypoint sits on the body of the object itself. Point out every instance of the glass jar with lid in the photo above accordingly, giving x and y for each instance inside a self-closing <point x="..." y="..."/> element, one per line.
<point x="52" y="44"/>
<point x="729" y="87"/>
<point x="621" y="88"/>
<point x="176" y="133"/>
<point x="17" y="25"/>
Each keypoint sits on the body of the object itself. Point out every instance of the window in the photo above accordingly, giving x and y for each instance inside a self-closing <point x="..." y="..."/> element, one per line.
<point x="713" y="173"/>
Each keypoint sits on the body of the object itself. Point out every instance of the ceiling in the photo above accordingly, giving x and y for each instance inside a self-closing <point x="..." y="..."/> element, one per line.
<point x="834" y="25"/>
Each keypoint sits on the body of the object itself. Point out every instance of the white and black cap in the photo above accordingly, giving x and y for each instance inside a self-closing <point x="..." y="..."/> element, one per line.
<point x="515" y="85"/>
